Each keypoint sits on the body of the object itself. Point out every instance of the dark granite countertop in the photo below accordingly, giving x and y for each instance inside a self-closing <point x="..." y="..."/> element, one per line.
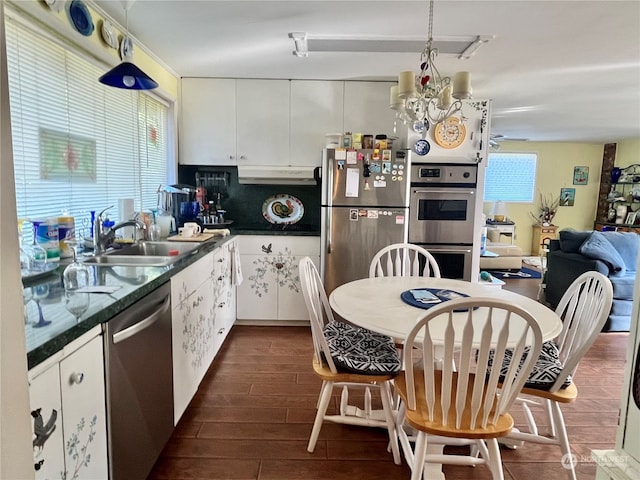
<point x="49" y="327"/>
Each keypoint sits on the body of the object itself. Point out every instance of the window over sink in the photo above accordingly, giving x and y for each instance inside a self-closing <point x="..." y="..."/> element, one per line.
<point x="78" y="145"/>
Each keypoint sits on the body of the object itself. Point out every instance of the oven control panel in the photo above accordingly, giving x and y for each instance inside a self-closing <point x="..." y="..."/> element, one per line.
<point x="422" y="173"/>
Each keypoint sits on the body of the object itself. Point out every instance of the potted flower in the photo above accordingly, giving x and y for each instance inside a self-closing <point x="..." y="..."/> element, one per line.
<point x="546" y="210"/>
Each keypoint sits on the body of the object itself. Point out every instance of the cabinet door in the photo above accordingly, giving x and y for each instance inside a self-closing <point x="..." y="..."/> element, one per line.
<point x="262" y="108"/>
<point x="259" y="289"/>
<point x="46" y="421"/>
<point x="84" y="419"/>
<point x="208" y="122"/>
<point x="316" y="109"/>
<point x="291" y="304"/>
<point x="190" y="315"/>
<point x="271" y="287"/>
<point x="366" y="107"/>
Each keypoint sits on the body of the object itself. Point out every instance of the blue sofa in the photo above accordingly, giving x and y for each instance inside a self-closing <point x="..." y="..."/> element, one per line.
<point x="614" y="254"/>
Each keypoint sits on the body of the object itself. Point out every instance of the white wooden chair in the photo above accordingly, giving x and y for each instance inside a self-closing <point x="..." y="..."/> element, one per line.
<point x="403" y="260"/>
<point x="584" y="309"/>
<point x="323" y="326"/>
<point x="467" y="400"/>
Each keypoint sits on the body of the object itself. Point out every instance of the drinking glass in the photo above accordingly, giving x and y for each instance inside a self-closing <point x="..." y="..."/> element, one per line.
<point x="75" y="276"/>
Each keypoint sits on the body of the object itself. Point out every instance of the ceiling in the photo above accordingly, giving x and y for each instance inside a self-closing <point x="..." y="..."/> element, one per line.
<point x="555" y="70"/>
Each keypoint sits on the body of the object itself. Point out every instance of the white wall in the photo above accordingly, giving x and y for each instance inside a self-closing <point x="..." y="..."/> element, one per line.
<point x="16" y="457"/>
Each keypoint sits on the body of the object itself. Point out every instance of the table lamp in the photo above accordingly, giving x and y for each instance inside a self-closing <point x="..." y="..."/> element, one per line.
<point x="499" y="211"/>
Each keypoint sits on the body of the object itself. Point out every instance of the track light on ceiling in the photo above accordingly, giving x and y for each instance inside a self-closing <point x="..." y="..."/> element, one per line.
<point x="300" y="43"/>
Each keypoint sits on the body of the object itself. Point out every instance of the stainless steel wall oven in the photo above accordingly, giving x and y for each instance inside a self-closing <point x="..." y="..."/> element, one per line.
<point x="442" y="211"/>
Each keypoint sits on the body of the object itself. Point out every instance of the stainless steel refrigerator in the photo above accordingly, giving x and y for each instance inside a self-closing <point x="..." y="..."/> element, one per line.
<point x="364" y="207"/>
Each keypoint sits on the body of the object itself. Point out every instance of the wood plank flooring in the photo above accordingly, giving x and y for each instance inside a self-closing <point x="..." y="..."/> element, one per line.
<point x="252" y="416"/>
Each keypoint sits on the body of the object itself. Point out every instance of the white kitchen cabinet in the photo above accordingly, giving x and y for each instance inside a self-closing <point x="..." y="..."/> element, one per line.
<point x="203" y="311"/>
<point x="69" y="415"/>
<point x="192" y="330"/>
<point x="262" y="108"/>
<point x="225" y="292"/>
<point x="271" y="287"/>
<point x="207" y="133"/>
<point x="366" y="108"/>
<point x="316" y="109"/>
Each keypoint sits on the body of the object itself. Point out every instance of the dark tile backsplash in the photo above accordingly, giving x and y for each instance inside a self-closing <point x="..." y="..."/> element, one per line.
<point x="243" y="203"/>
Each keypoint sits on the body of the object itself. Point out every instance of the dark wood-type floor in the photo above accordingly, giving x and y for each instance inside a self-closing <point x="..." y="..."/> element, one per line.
<point x="252" y="416"/>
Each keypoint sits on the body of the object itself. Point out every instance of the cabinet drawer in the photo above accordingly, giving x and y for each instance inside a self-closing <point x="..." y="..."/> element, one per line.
<point x="184" y="283"/>
<point x="267" y="244"/>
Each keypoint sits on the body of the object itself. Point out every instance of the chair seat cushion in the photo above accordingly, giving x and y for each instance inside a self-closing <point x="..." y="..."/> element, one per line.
<point x="546" y="370"/>
<point x="358" y="350"/>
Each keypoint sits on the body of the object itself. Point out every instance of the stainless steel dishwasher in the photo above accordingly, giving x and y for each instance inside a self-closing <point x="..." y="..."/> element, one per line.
<point x="139" y="371"/>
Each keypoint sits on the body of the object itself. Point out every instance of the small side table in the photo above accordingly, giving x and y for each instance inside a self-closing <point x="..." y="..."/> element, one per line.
<point x="508" y="229"/>
<point x="542" y="236"/>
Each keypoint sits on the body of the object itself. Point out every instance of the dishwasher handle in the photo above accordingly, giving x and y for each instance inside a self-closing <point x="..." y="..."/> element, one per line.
<point x="143" y="324"/>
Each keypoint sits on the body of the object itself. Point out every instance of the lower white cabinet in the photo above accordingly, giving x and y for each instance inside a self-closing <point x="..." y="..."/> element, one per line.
<point x="271" y="287"/>
<point x="69" y="416"/>
<point x="203" y="311"/>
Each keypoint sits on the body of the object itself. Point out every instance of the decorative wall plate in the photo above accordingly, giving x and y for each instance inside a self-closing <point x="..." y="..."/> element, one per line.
<point x="421" y="147"/>
<point x="282" y="209"/>
<point x="80" y="17"/>
<point x="126" y="49"/>
<point x="55" y="5"/>
<point x="450" y="133"/>
<point x="108" y="34"/>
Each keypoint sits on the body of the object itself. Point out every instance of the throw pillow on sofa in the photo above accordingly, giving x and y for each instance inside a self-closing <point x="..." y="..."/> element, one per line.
<point x="599" y="248"/>
<point x="627" y="245"/>
<point x="572" y="240"/>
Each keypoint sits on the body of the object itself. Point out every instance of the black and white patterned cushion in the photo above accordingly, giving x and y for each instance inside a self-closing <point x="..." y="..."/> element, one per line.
<point x="546" y="370"/>
<point x="358" y="350"/>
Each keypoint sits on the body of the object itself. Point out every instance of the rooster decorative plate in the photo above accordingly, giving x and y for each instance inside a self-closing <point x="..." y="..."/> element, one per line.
<point x="282" y="209"/>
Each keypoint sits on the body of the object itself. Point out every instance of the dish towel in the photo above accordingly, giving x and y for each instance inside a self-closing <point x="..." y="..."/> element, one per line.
<point x="236" y="269"/>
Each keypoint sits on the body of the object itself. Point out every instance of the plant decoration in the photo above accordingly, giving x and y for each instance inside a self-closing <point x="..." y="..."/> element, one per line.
<point x="546" y="210"/>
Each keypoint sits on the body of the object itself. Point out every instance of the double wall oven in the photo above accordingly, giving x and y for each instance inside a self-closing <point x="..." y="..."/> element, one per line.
<point x="441" y="210"/>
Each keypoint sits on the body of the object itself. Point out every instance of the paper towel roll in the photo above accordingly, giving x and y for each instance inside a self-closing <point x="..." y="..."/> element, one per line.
<point x="126" y="212"/>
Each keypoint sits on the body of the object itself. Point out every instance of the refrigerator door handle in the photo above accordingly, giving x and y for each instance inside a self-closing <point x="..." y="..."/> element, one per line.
<point x="329" y="215"/>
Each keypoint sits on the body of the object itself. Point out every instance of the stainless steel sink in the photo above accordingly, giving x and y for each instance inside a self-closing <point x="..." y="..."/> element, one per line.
<point x="150" y="254"/>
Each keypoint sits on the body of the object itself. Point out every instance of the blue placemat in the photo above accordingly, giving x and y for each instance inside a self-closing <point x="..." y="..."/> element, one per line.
<point x="442" y="294"/>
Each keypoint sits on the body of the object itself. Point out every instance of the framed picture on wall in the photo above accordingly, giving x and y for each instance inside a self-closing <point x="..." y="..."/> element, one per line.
<point x="567" y="197"/>
<point x="580" y="175"/>
<point x="631" y="218"/>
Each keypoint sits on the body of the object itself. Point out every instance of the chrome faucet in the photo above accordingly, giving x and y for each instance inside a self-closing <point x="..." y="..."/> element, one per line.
<point x="104" y="236"/>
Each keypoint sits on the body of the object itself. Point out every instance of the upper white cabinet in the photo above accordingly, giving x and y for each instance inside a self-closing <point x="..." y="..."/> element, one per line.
<point x="316" y="109"/>
<point x="366" y="107"/>
<point x="275" y="122"/>
<point x="208" y="121"/>
<point x="262" y="108"/>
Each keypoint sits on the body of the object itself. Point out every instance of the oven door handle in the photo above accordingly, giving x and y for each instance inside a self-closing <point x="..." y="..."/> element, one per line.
<point x="447" y="192"/>
<point x="449" y="250"/>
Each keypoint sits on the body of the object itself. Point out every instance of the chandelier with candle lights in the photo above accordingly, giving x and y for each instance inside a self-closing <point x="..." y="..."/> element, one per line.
<point x="429" y="98"/>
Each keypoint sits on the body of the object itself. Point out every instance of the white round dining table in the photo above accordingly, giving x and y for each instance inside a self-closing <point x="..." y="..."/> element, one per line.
<point x="375" y="304"/>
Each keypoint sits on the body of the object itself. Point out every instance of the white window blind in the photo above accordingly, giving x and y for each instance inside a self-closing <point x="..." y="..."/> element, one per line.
<point x="79" y="145"/>
<point x="510" y="177"/>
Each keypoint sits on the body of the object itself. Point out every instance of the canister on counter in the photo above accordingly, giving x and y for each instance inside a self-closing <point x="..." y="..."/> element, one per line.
<point x="66" y="232"/>
<point x="46" y="234"/>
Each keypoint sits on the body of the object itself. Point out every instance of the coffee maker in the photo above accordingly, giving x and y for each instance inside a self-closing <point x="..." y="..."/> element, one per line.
<point x="180" y="202"/>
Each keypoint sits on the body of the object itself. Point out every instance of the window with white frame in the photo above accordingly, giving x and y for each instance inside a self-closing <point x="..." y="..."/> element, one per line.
<point x="510" y="177"/>
<point x="78" y="145"/>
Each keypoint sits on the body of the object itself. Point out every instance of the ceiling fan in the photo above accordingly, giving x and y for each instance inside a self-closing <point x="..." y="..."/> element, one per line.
<point x="496" y="138"/>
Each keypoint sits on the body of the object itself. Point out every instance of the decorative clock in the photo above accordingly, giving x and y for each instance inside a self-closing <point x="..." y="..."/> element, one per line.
<point x="450" y="133"/>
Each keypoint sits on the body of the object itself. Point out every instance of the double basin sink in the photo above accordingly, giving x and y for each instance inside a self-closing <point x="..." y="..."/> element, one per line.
<point x="145" y="254"/>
